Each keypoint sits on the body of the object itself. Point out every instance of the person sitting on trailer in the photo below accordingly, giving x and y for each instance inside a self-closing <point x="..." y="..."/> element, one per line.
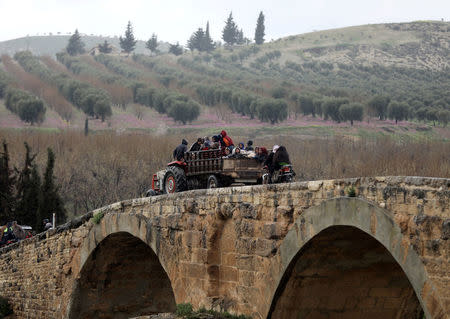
<point x="249" y="146"/>
<point x="206" y="144"/>
<point x="197" y="146"/>
<point x="226" y="141"/>
<point x="261" y="154"/>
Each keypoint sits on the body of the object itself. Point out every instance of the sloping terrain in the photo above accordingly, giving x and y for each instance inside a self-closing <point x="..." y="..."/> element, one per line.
<point x="290" y="82"/>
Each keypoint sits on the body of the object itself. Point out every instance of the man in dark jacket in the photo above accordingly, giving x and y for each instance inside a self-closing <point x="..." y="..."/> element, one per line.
<point x="178" y="152"/>
<point x="197" y="146"/>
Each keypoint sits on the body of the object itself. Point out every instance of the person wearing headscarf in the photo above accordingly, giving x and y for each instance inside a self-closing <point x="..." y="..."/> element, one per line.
<point x="226" y="141"/>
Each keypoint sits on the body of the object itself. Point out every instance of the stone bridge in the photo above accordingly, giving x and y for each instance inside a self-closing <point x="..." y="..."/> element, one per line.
<point x="301" y="250"/>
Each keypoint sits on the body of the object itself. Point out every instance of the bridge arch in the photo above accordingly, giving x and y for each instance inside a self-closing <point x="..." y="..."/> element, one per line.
<point x="121" y="273"/>
<point x="354" y="219"/>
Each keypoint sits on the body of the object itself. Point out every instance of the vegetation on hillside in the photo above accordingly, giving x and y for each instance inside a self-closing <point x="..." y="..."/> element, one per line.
<point x="329" y="75"/>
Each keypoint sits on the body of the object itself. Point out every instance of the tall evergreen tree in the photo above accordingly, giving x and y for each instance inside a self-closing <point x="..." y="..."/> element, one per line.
<point x="7" y="182"/>
<point x="230" y="31"/>
<point x="260" y="28"/>
<point x="50" y="201"/>
<point x="197" y="41"/>
<point x="152" y="44"/>
<point x="105" y="47"/>
<point x="75" y="45"/>
<point x="27" y="202"/>
<point x="128" y="43"/>
<point x="209" y="43"/>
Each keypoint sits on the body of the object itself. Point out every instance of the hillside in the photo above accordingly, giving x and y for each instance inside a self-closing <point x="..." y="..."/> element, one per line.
<point x="298" y="82"/>
<point x="52" y="44"/>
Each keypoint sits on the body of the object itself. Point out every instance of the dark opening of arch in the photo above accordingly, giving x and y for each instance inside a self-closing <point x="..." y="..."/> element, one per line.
<point x="122" y="278"/>
<point x="344" y="273"/>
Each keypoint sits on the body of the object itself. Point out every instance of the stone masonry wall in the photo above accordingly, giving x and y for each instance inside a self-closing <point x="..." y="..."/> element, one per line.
<point x="221" y="248"/>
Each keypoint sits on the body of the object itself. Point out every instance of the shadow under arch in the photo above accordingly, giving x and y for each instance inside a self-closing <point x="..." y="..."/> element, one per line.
<point x="366" y="222"/>
<point x="120" y="274"/>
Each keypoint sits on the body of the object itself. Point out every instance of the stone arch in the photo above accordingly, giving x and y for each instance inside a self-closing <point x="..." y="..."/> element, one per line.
<point x="375" y="223"/>
<point x="120" y="273"/>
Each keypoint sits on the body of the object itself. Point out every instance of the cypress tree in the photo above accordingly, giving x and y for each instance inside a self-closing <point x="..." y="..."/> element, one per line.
<point x="27" y="200"/>
<point x="260" y="28"/>
<point x="230" y="31"/>
<point x="209" y="43"/>
<point x="7" y="181"/>
<point x="128" y="43"/>
<point x="50" y="200"/>
<point x="75" y="45"/>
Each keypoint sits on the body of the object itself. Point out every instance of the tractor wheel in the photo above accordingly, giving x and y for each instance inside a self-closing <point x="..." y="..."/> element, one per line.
<point x="174" y="180"/>
<point x="213" y="182"/>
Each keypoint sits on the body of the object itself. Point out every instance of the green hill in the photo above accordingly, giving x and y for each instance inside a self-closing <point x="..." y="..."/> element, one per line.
<point x="316" y="79"/>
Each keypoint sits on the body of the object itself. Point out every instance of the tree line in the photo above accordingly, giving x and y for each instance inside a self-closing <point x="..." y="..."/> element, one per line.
<point x="200" y="39"/>
<point x="25" y="195"/>
<point x="92" y="101"/>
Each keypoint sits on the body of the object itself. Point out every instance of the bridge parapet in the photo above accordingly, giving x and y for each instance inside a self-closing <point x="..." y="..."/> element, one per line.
<point x="229" y="247"/>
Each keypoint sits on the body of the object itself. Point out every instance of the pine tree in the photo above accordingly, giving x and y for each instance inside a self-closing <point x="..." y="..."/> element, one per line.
<point x="176" y="49"/>
<point x="105" y="47"/>
<point x="197" y="41"/>
<point x="260" y="28"/>
<point x="27" y="202"/>
<point x="152" y="44"/>
<point x="50" y="201"/>
<point x="209" y="43"/>
<point x="128" y="43"/>
<point x="230" y="31"/>
<point x="75" y="45"/>
<point x="7" y="182"/>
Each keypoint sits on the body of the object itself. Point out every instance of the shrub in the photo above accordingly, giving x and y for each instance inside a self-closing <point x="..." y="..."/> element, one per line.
<point x="351" y="112"/>
<point x="29" y="108"/>
<point x="184" y="309"/>
<point x="398" y="111"/>
<point x="97" y="218"/>
<point x="330" y="108"/>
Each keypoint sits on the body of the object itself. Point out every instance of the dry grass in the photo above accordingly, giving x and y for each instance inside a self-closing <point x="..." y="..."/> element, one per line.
<point x="106" y="167"/>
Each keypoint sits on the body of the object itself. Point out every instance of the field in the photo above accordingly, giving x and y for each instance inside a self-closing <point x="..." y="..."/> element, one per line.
<point x="105" y="167"/>
<point x="405" y="62"/>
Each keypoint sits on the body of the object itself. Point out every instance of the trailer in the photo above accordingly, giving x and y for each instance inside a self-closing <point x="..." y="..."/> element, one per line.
<point x="206" y="169"/>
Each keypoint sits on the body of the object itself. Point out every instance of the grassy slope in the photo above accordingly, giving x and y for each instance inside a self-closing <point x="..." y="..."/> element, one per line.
<point x="377" y="43"/>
